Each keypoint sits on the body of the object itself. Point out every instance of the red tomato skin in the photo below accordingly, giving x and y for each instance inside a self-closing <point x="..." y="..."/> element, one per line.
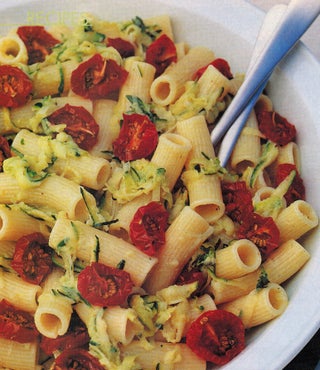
<point x="5" y="151"/>
<point x="148" y="226"/>
<point x="161" y="53"/>
<point x="103" y="285"/>
<point x="76" y="358"/>
<point x="222" y="66"/>
<point x="216" y="336"/>
<point x="138" y="138"/>
<point x="15" y="86"/>
<point x="237" y="199"/>
<point x="97" y="78"/>
<point x="262" y="231"/>
<point x="16" y="324"/>
<point x="80" y="124"/>
<point x="38" y="42"/>
<point x="296" y="190"/>
<point x="275" y="127"/>
<point x="188" y="277"/>
<point x="124" y="47"/>
<point x="32" y="258"/>
<point x="76" y="337"/>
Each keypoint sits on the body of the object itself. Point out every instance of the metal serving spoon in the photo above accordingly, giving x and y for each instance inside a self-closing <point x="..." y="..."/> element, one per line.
<point x="297" y="18"/>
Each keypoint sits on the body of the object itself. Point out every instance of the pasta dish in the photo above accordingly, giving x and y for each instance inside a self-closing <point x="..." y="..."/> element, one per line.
<point x="124" y="244"/>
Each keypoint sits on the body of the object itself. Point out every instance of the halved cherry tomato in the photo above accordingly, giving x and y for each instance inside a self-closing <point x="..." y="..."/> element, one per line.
<point x="262" y="231"/>
<point x="76" y="337"/>
<point x="237" y="199"/>
<point x="216" y="336"/>
<point x="161" y="53"/>
<point x="97" y="78"/>
<point x="296" y="190"/>
<point x="221" y="64"/>
<point x="275" y="127"/>
<point x="124" y="47"/>
<point x="15" y="86"/>
<point x="32" y="258"/>
<point x="5" y="151"/>
<point x="103" y="285"/>
<point x="38" y="41"/>
<point x="72" y="359"/>
<point x="137" y="139"/>
<point x="80" y="124"/>
<point x="16" y="324"/>
<point x="148" y="226"/>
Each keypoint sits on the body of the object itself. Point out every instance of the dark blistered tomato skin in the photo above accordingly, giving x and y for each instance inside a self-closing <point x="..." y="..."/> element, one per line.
<point x="161" y="53"/>
<point x="80" y="125"/>
<point x="262" y="231"/>
<point x="237" y="199"/>
<point x="97" y="78"/>
<point x="124" y="47"/>
<point x="15" y="87"/>
<point x="38" y="41"/>
<point x="297" y="189"/>
<point x="222" y="66"/>
<point x="77" y="359"/>
<point x="32" y="258"/>
<point x="276" y="127"/>
<point x="103" y="285"/>
<point x="76" y="337"/>
<point x="137" y="139"/>
<point x="216" y="336"/>
<point x="16" y="324"/>
<point x="148" y="226"/>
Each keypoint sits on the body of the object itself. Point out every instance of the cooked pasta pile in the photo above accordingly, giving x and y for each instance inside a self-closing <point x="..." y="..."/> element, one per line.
<point x="123" y="242"/>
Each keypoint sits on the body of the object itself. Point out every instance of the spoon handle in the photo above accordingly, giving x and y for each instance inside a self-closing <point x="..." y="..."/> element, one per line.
<point x="298" y="17"/>
<point x="270" y="21"/>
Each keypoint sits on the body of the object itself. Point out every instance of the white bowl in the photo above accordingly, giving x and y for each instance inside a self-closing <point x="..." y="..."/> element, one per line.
<point x="229" y="27"/>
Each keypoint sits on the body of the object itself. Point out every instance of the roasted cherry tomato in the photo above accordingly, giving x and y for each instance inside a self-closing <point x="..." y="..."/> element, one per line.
<point x="97" y="78"/>
<point x="237" y="199"/>
<point x="32" y="258"/>
<point x="124" y="47"/>
<point x="103" y="285"/>
<point x="137" y="139"/>
<point x="15" y="86"/>
<point x="216" y="336"/>
<point x="38" y="41"/>
<point x="5" y="151"/>
<point x="80" y="124"/>
<point x="262" y="231"/>
<point x="275" y="127"/>
<point x="161" y="53"/>
<point x="76" y="337"/>
<point x="148" y="226"/>
<point x="188" y="277"/>
<point x="16" y="324"/>
<point x="296" y="190"/>
<point x="76" y="359"/>
<point x="221" y="64"/>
